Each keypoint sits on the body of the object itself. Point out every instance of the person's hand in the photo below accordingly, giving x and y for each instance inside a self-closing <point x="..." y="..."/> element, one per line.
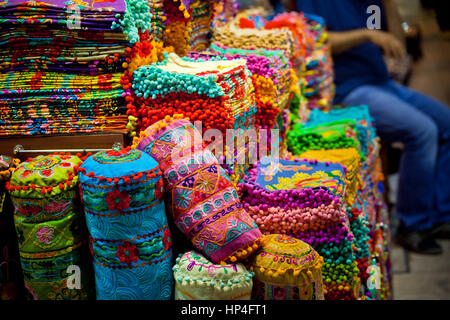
<point x="388" y="43"/>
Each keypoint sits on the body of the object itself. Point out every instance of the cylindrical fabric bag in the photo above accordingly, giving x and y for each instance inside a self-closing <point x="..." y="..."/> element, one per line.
<point x="197" y="278"/>
<point x="205" y="205"/>
<point x="50" y="228"/>
<point x="286" y="269"/>
<point x="130" y="238"/>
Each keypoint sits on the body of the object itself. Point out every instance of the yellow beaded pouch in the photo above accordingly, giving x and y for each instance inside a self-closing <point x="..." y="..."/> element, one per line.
<point x="286" y="269"/>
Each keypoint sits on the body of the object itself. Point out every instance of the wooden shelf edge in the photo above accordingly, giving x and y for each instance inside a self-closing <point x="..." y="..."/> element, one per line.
<point x="103" y="140"/>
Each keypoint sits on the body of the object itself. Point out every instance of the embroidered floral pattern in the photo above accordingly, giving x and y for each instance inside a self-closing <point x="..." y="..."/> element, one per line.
<point x="127" y="253"/>
<point x="182" y="198"/>
<point x="206" y="182"/>
<point x="45" y="234"/>
<point x="118" y="200"/>
<point x="117" y="156"/>
<point x="285" y="239"/>
<point x="44" y="166"/>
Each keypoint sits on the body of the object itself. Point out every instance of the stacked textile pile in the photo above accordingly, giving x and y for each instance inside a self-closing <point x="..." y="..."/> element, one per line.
<point x="186" y="24"/>
<point x="364" y="126"/>
<point x="231" y="35"/>
<point x="309" y="54"/>
<point x="336" y="135"/>
<point x="164" y="26"/>
<point x="318" y="68"/>
<point x="200" y="25"/>
<point x="65" y="67"/>
<point x="271" y="78"/>
<point x="61" y="67"/>
<point x="218" y="93"/>
<point x="349" y="158"/>
<point x="295" y="22"/>
<point x="306" y="200"/>
<point x="365" y="209"/>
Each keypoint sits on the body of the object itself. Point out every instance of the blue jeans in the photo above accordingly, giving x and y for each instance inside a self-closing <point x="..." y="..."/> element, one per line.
<point x="423" y="126"/>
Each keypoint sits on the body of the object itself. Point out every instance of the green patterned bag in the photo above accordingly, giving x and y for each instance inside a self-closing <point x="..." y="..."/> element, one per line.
<point x="51" y="229"/>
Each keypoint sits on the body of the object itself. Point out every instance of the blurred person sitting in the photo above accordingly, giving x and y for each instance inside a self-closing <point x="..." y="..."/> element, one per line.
<point x="400" y="114"/>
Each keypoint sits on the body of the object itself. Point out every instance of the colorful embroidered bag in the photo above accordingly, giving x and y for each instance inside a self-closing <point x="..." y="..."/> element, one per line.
<point x="130" y="239"/>
<point x="286" y="269"/>
<point x="205" y="205"/>
<point x="50" y="228"/>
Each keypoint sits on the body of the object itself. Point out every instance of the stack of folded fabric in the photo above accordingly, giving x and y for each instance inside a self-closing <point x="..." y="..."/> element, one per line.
<point x="365" y="208"/>
<point x="318" y="66"/>
<point x="67" y="68"/>
<point x="330" y="135"/>
<point x="360" y="114"/>
<point x="187" y="24"/>
<point x="231" y="35"/>
<point x="356" y="209"/>
<point x="349" y="158"/>
<point x="61" y="67"/>
<point x="164" y="26"/>
<point x="306" y="186"/>
<point x="272" y="79"/>
<point x="50" y="228"/>
<point x="204" y="203"/>
<point x="200" y="25"/>
<point x="306" y="200"/>
<point x="218" y="94"/>
<point x="296" y="23"/>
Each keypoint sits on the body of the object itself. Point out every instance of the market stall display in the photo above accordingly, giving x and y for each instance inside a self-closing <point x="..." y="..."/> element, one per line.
<point x="234" y="149"/>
